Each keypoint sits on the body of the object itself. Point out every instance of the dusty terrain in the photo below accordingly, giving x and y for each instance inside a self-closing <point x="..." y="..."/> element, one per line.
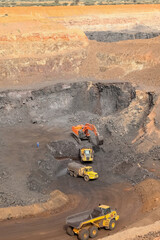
<point x="52" y="77"/>
<point x="39" y="45"/>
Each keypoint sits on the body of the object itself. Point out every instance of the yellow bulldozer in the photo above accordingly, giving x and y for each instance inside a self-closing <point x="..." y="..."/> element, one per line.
<point x="86" y="154"/>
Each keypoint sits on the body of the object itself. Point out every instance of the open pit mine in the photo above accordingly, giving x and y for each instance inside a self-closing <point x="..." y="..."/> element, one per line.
<point x="80" y="122"/>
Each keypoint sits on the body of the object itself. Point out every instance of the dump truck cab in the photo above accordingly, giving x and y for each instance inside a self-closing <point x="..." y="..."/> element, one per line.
<point x="105" y="209"/>
<point x="109" y="214"/>
<point x="86" y="154"/>
<point x="88" y="171"/>
<point x="86" y="224"/>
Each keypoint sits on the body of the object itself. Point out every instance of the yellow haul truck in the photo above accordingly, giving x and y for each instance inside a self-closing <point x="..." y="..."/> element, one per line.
<point x="86" y="154"/>
<point x="86" y="224"/>
<point x="76" y="169"/>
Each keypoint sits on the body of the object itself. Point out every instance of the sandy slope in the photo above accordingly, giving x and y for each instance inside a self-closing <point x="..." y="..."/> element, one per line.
<point x="135" y="232"/>
<point x="52" y="45"/>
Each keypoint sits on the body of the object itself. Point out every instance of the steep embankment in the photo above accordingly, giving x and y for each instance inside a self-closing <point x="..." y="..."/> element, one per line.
<point x="148" y="190"/>
<point x="132" y="61"/>
<point x="33" y="52"/>
<point x="57" y="201"/>
<point x="48" y="44"/>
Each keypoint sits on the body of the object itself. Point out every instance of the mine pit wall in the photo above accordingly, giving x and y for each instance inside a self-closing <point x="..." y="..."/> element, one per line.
<point x="33" y="58"/>
<point x="39" y="57"/>
<point x="61" y="101"/>
<point x="119" y="108"/>
<point x="108" y="36"/>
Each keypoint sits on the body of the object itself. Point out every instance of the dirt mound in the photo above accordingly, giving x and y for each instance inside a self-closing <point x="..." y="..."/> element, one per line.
<point x="64" y="149"/>
<point x="57" y="200"/>
<point x="148" y="190"/>
<point x="45" y="173"/>
<point x="135" y="173"/>
<point x="108" y="36"/>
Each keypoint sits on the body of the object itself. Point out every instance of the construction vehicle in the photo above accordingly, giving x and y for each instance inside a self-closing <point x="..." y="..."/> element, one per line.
<point x="81" y="132"/>
<point x="76" y="169"/>
<point x="86" y="154"/>
<point x="86" y="224"/>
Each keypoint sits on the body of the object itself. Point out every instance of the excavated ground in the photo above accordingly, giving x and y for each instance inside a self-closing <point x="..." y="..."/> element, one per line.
<point x="48" y="114"/>
<point x="110" y="36"/>
<point x="65" y="79"/>
<point x="45" y="115"/>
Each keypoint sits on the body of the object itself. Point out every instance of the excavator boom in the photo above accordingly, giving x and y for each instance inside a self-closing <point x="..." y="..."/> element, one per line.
<point x="81" y="132"/>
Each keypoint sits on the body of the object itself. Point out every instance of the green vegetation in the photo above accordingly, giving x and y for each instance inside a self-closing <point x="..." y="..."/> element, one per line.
<point x="12" y="3"/>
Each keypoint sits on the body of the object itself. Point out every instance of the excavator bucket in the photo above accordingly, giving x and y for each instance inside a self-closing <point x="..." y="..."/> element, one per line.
<point x="100" y="140"/>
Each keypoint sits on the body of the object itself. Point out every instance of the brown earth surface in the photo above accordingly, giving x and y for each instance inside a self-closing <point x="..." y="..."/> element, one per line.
<point x="45" y="45"/>
<point x="42" y="228"/>
<point x="49" y="44"/>
<point x="149" y="193"/>
<point x="79" y="10"/>
<point x="57" y="201"/>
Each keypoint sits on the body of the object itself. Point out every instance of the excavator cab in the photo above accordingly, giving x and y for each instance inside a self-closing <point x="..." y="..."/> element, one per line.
<point x="86" y="154"/>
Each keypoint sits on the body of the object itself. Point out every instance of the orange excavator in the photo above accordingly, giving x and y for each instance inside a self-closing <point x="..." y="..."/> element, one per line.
<point x="81" y="132"/>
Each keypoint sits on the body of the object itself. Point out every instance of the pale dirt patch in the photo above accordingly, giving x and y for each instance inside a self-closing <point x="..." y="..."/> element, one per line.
<point x="148" y="190"/>
<point x="134" y="232"/>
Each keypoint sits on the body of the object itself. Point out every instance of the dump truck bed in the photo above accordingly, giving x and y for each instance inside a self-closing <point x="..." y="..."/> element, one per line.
<point x="75" y="166"/>
<point x="76" y="220"/>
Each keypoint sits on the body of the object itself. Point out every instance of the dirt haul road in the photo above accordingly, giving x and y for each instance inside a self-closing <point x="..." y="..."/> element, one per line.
<point x="53" y="227"/>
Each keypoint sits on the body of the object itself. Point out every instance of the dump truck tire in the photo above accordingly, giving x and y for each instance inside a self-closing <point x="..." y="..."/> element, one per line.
<point x="86" y="178"/>
<point x="112" y="224"/>
<point x="83" y="234"/>
<point x="93" y="231"/>
<point x="75" y="175"/>
<point x="70" y="231"/>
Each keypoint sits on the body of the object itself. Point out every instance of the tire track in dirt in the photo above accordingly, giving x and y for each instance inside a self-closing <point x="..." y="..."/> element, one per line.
<point x="120" y="196"/>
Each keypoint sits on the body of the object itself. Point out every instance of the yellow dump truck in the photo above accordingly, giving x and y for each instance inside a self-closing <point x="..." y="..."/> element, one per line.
<point x="86" y="154"/>
<point x="86" y="224"/>
<point x="76" y="169"/>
